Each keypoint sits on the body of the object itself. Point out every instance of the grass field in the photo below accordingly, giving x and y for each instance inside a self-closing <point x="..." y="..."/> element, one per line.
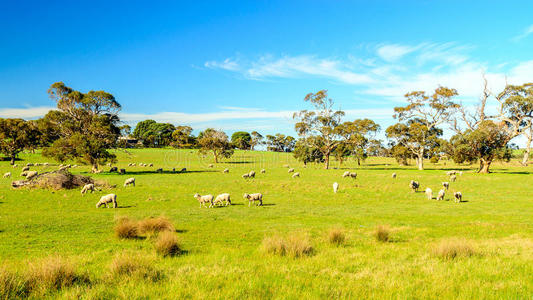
<point x="491" y="233"/>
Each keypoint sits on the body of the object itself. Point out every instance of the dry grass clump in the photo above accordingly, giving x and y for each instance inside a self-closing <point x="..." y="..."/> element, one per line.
<point x="134" y="266"/>
<point x="453" y="248"/>
<point x="12" y="284"/>
<point x="336" y="236"/>
<point x="127" y="228"/>
<point x="155" y="225"/>
<point x="167" y="244"/>
<point x="53" y="273"/>
<point x="294" y="245"/>
<point x="382" y="233"/>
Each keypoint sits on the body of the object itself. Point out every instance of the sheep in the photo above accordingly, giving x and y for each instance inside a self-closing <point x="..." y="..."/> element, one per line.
<point x="210" y="165"/>
<point x="25" y="169"/>
<point x="290" y="170"/>
<point x="251" y="174"/>
<point x="204" y="199"/>
<point x="160" y="170"/>
<point x="254" y="197"/>
<point x="109" y="164"/>
<point x="353" y="175"/>
<point x="29" y="165"/>
<point x="150" y="165"/>
<point x="458" y="196"/>
<point x="223" y="199"/>
<point x="429" y="193"/>
<point x="46" y="164"/>
<point x="450" y="173"/>
<point x="113" y="169"/>
<point x="263" y="171"/>
<point x="7" y="175"/>
<point x="461" y="173"/>
<point x="122" y="171"/>
<point x="286" y="166"/>
<point x="183" y="170"/>
<point x="346" y="174"/>
<point x="132" y="164"/>
<point x="393" y="175"/>
<point x="31" y="174"/>
<point x="245" y="176"/>
<point x="441" y="194"/>
<point x="62" y="168"/>
<point x="446" y="185"/>
<point x="129" y="181"/>
<point x="453" y="178"/>
<point x="15" y="165"/>
<point x="87" y="188"/>
<point x="110" y="198"/>
<point x="225" y="171"/>
<point x="295" y="175"/>
<point x="173" y="170"/>
<point x="335" y="187"/>
<point x="414" y="185"/>
<point x="24" y="174"/>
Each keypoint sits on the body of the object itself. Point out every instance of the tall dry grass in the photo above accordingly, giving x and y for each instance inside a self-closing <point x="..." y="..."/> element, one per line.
<point x="167" y="244"/>
<point x="128" y="265"/>
<point x="382" y="233"/>
<point x="151" y="226"/>
<point x="336" y="236"/>
<point x="453" y="248"/>
<point x="126" y="228"/>
<point x="294" y="245"/>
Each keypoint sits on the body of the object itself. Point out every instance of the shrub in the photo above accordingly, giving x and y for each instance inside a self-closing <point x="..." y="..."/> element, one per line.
<point x="274" y="245"/>
<point x="453" y="248"/>
<point x="129" y="265"/>
<point x="382" y="233"/>
<point x="53" y="273"/>
<point x="167" y="244"/>
<point x="12" y="284"/>
<point x="155" y="225"/>
<point x="295" y="245"/>
<point x="336" y="236"/>
<point x="126" y="228"/>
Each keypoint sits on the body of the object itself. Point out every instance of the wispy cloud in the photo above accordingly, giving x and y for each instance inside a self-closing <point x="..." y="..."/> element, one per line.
<point x="227" y="64"/>
<point x="25" y="113"/>
<point x="393" y="52"/>
<point x="527" y="32"/>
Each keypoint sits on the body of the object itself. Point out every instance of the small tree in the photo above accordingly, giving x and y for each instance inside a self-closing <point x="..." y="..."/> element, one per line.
<point x="302" y="152"/>
<point x="320" y="123"/>
<point x="241" y="140"/>
<point x="280" y="143"/>
<point x="358" y="136"/>
<point x="257" y="139"/>
<point x="211" y="140"/>
<point x="183" y="138"/>
<point x="17" y="135"/>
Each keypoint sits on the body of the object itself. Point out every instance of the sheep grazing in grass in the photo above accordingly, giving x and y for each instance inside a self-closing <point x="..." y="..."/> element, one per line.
<point x="346" y="174"/>
<point x="429" y="193"/>
<point x="335" y="187"/>
<point x="113" y="169"/>
<point x="31" y="174"/>
<point x="15" y="165"/>
<point x="461" y="173"/>
<point x="224" y="199"/>
<point x="263" y="171"/>
<point x="458" y="196"/>
<point x="446" y="185"/>
<point x="349" y="174"/>
<point x="29" y="165"/>
<point x="225" y="171"/>
<point x="286" y="166"/>
<point x="441" y="195"/>
<point x="132" y="164"/>
<point x="87" y="188"/>
<point x="129" y="181"/>
<point x="290" y="170"/>
<point x="160" y="170"/>
<point x="110" y="198"/>
<point x="393" y="175"/>
<point x="25" y="169"/>
<point x="251" y="174"/>
<point x="246" y="176"/>
<point x="450" y="173"/>
<point x="204" y="199"/>
<point x="453" y="178"/>
<point x="414" y="185"/>
<point x="295" y="175"/>
<point x="122" y="171"/>
<point x="150" y="165"/>
<point x="210" y="165"/>
<point x="253" y="198"/>
<point x="7" y="175"/>
<point x="183" y="170"/>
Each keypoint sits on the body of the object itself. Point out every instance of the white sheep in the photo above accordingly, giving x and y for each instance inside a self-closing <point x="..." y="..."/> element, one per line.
<point x="129" y="181"/>
<point x="295" y="175"/>
<point x="441" y="195"/>
<point x="87" y="188"/>
<point x="29" y="165"/>
<point x="210" y="165"/>
<point x="225" y="171"/>
<point x="251" y="174"/>
<point x="335" y="187"/>
<point x="450" y="173"/>
<point x="461" y="173"/>
<point x="204" y="199"/>
<point x="458" y="196"/>
<point x="223" y="199"/>
<point x="25" y="169"/>
<point x="290" y="170"/>
<point x="429" y="193"/>
<point x="446" y="185"/>
<point x="453" y="178"/>
<point x="286" y="166"/>
<point x="263" y="171"/>
<point x="254" y="197"/>
<point x="393" y="175"/>
<point x="31" y="174"/>
<point x="15" y="165"/>
<point x="346" y="174"/>
<point x="150" y="165"/>
<point x="7" y="175"/>
<point x="110" y="198"/>
<point x="245" y="176"/>
<point x="414" y="185"/>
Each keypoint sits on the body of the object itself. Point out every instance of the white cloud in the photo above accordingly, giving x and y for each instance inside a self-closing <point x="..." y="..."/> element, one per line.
<point x="25" y="113"/>
<point x="393" y="52"/>
<point x="527" y="32"/>
<point x="227" y="64"/>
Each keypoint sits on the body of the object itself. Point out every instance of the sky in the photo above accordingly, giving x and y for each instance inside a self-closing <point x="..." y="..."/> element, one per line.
<point x="247" y="65"/>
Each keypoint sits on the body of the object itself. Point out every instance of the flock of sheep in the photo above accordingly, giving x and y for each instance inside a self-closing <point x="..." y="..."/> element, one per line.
<point x="458" y="196"/>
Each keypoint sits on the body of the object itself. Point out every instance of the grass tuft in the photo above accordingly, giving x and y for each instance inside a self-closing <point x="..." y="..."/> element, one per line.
<point x="53" y="273"/>
<point x="336" y="236"/>
<point x="382" y="233"/>
<point x="453" y="248"/>
<point x="152" y="226"/>
<point x="126" y="265"/>
<point x="295" y="245"/>
<point x="167" y="244"/>
<point x="12" y="284"/>
<point x="126" y="228"/>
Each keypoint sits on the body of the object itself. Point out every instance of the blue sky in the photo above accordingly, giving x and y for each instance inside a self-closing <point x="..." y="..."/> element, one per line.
<point x="246" y="65"/>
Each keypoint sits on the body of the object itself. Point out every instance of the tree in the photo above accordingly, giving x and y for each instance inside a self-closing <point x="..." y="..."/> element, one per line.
<point x="257" y="139"/>
<point x="183" y="138"/>
<point x="154" y="134"/>
<point x="125" y="130"/>
<point x="342" y="151"/>
<point x="321" y="123"/>
<point x="211" y="140"/>
<point x="17" y="135"/>
<point x="142" y="128"/>
<point x="429" y="111"/>
<point x="86" y="125"/>
<point x="358" y="136"/>
<point x="280" y="143"/>
<point x="241" y="140"/>
<point x="401" y="154"/>
<point x="302" y="152"/>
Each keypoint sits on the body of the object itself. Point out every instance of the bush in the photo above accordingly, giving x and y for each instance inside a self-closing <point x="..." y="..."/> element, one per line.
<point x="434" y="160"/>
<point x="453" y="248"/>
<point x="167" y="244"/>
<point x="12" y="284"/>
<point x="295" y="245"/>
<point x="129" y="265"/>
<point x="126" y="228"/>
<point x="53" y="273"/>
<point x="155" y="225"/>
<point x="382" y="233"/>
<point x="336" y="236"/>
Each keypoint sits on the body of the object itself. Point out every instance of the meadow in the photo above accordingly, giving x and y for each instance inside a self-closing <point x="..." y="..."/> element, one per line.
<point x="481" y="248"/>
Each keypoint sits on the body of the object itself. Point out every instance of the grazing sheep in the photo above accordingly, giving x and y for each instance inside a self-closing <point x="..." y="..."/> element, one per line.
<point x="183" y="170"/>
<point x="29" y="165"/>
<point x="263" y="171"/>
<point x="286" y="166"/>
<point x="173" y="170"/>
<point x="7" y="175"/>
<point x="414" y="185"/>
<point x="458" y="196"/>
<point x="150" y="165"/>
<point x="245" y="176"/>
<point x="450" y="173"/>
<point x="160" y="170"/>
<point x="87" y="188"/>
<point x="350" y="174"/>
<point x="446" y="185"/>
<point x="453" y="178"/>
<point x="25" y="169"/>
<point x="295" y="175"/>
<point x="46" y="164"/>
<point x="290" y="170"/>
<point x="254" y="197"/>
<point x="461" y="173"/>
<point x="335" y="187"/>
<point x="393" y="175"/>
<point x="225" y="171"/>
<point x="15" y="165"/>
<point x="122" y="171"/>
<point x="441" y="195"/>
<point x="204" y="199"/>
<point x="129" y="181"/>
<point x="110" y="198"/>
<point x="113" y="169"/>
<point x="24" y="174"/>
<point x="429" y="193"/>
<point x="223" y="199"/>
<point x="210" y="165"/>
<point x="251" y="174"/>
<point x="31" y="174"/>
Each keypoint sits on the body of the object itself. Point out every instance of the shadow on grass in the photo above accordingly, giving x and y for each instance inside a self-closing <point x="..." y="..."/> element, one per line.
<point x="127" y="206"/>
<point x="268" y="204"/>
<point x="238" y="162"/>
<point x="182" y="230"/>
<point x="151" y="172"/>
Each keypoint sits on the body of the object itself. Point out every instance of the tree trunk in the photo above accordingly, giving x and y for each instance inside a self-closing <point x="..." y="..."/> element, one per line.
<point x="420" y="162"/>
<point x="525" y="159"/>
<point x="94" y="167"/>
<point x="13" y="160"/>
<point x="216" y="157"/>
<point x="326" y="166"/>
<point x="484" y="166"/>
<point x="358" y="161"/>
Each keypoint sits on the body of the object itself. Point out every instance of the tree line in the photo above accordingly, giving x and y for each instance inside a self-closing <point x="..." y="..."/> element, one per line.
<point x="86" y="125"/>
